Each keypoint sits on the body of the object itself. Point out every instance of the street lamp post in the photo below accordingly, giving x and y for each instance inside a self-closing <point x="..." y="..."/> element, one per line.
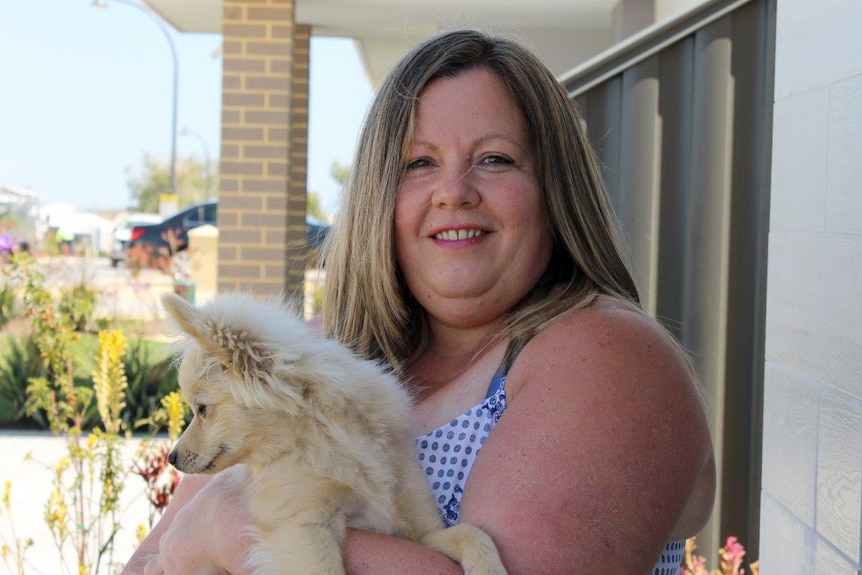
<point x="103" y="4"/>
<point x="187" y="132"/>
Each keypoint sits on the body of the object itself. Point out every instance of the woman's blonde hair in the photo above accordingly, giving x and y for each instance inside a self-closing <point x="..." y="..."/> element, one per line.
<point x="366" y="304"/>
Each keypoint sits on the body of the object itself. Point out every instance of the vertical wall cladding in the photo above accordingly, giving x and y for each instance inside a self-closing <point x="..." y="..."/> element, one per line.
<point x="681" y="127"/>
<point x="264" y="141"/>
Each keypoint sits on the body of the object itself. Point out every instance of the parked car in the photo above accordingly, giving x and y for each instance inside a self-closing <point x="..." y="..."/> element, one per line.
<point x="123" y="233"/>
<point x="171" y="234"/>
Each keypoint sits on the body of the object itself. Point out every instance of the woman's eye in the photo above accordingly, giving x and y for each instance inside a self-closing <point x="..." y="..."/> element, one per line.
<point x="418" y="164"/>
<point x="496" y="161"/>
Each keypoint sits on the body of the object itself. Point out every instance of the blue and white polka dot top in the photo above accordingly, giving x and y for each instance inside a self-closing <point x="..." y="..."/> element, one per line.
<point x="447" y="454"/>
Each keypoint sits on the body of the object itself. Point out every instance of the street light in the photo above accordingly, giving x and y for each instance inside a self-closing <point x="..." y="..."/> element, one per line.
<point x="103" y="4"/>
<point x="187" y="132"/>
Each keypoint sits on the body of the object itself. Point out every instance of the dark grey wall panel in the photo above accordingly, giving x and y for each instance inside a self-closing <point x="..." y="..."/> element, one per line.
<point x="682" y="121"/>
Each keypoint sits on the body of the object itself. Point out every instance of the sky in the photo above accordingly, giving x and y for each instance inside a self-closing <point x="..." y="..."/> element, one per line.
<point x="86" y="92"/>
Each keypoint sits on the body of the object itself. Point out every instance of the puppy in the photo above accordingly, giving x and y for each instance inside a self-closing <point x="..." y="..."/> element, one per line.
<point x="319" y="439"/>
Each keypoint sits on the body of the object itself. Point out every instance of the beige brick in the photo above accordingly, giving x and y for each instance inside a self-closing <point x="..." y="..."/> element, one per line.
<point x="243" y="99"/>
<point x="239" y="202"/>
<point x="279" y="101"/>
<point x="229" y="152"/>
<point x="269" y="49"/>
<point x="244" y="65"/>
<point x="268" y="220"/>
<point x="244" y="30"/>
<point x="265" y="118"/>
<point x="267" y="83"/>
<point x="243" y="134"/>
<point x="270" y="14"/>
<point x="229" y="82"/>
<point x="276" y="168"/>
<point x="238" y="271"/>
<point x="264" y="185"/>
<point x="242" y="168"/>
<point x="230" y="116"/>
<point x="241" y="237"/>
<point x="231" y="48"/>
<point x="277" y="135"/>
<point x="272" y="151"/>
<point x="228" y="184"/>
<point x="254" y="254"/>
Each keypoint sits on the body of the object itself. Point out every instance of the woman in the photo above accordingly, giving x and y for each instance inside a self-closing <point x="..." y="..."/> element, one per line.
<point x="475" y="245"/>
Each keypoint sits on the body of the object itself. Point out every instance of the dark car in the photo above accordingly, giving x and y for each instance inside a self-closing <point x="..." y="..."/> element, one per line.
<point x="172" y="234"/>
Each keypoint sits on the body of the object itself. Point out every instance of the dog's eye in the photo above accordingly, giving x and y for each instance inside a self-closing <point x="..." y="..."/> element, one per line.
<point x="202" y="410"/>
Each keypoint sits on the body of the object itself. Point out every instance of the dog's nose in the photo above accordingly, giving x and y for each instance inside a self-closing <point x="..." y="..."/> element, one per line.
<point x="172" y="458"/>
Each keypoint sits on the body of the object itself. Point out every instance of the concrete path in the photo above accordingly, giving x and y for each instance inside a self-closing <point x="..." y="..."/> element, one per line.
<point x="25" y="458"/>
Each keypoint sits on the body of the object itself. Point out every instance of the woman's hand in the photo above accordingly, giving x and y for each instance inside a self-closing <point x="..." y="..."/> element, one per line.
<point x="208" y="535"/>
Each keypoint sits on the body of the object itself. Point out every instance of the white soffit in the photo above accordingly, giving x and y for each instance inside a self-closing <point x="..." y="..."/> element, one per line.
<point x="405" y="18"/>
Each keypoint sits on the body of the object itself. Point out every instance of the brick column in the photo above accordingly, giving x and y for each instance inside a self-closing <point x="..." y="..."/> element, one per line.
<point x="261" y="214"/>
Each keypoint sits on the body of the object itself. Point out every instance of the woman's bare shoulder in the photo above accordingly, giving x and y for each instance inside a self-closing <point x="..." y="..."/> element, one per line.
<point x="609" y="337"/>
<point x="604" y="440"/>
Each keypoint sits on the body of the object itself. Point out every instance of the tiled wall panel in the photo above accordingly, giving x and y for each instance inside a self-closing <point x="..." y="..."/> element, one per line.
<point x="814" y="298"/>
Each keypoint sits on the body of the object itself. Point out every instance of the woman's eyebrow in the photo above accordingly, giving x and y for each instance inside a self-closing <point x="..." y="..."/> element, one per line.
<point x="476" y="143"/>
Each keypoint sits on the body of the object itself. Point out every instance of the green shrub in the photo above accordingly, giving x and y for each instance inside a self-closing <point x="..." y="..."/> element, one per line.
<point x="149" y="380"/>
<point x="7" y="304"/>
<point x="19" y="363"/>
<point x="150" y="374"/>
<point x="77" y="305"/>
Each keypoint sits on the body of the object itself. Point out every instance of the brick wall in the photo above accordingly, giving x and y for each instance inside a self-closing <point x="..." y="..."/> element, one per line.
<point x="264" y="148"/>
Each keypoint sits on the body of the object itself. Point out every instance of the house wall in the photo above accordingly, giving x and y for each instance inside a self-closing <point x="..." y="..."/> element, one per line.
<point x="811" y="500"/>
<point x="261" y="214"/>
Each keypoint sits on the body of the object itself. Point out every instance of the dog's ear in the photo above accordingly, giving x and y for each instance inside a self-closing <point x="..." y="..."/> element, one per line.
<point x="186" y="316"/>
<point x="235" y="349"/>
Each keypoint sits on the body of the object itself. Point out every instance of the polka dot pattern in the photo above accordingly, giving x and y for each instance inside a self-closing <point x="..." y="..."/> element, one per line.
<point x="447" y="455"/>
<point x="670" y="559"/>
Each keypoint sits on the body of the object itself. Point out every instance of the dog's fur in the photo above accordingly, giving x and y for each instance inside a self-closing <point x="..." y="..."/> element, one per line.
<point x="322" y="437"/>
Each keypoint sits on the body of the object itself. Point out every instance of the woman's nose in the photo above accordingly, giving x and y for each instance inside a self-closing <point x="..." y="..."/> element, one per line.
<point x="455" y="189"/>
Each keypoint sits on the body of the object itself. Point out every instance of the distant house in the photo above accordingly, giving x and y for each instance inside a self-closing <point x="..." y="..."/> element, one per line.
<point x="91" y="234"/>
<point x="19" y="213"/>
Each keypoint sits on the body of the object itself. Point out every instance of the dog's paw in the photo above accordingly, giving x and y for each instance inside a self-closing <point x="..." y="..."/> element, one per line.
<point x="469" y="546"/>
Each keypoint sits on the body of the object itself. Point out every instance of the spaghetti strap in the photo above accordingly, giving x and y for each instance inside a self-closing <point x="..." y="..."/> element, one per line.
<point x="498" y="382"/>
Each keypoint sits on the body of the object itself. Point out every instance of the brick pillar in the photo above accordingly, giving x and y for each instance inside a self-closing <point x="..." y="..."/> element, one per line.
<point x="261" y="214"/>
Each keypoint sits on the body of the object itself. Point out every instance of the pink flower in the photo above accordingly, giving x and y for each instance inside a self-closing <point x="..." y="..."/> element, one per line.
<point x="731" y="557"/>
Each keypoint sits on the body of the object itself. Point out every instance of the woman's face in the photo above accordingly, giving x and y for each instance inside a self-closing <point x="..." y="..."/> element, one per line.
<point x="471" y="235"/>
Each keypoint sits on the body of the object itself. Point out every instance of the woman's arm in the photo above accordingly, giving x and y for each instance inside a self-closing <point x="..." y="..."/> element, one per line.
<point x="596" y="459"/>
<point x="201" y="533"/>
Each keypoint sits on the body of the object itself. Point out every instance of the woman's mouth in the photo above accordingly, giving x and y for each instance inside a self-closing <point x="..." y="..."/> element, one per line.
<point x="455" y="235"/>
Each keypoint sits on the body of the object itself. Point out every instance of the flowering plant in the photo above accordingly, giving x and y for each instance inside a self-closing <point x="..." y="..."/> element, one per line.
<point x="729" y="560"/>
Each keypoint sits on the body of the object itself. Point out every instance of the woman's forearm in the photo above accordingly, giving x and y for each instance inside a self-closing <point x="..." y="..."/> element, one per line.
<point x="368" y="553"/>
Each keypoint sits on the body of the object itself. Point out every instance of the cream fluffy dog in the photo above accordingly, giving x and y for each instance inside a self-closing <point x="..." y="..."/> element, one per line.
<point x="322" y="437"/>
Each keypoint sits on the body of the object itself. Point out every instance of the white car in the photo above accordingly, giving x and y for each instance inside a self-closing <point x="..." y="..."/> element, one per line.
<point x="123" y="232"/>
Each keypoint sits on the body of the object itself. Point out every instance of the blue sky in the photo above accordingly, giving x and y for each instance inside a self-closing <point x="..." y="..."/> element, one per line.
<point x="84" y="93"/>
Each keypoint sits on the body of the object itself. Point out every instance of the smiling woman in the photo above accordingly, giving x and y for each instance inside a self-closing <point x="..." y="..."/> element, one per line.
<point x="475" y="256"/>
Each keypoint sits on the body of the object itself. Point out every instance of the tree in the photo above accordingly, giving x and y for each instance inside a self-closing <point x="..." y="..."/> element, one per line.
<point x="153" y="179"/>
<point x="313" y="207"/>
<point x="339" y="172"/>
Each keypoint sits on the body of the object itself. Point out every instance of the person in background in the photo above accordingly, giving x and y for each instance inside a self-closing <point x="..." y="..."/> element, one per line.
<point x="475" y="254"/>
